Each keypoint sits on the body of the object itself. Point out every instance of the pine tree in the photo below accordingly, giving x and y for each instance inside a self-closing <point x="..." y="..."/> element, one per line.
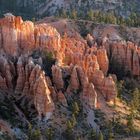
<point x="76" y="108"/>
<point x="74" y="14"/>
<point x="110" y="136"/>
<point x="135" y="102"/>
<point x="92" y="135"/>
<point x="49" y="134"/>
<point x="130" y="124"/>
<point x="29" y="131"/>
<point x="110" y="132"/>
<point x="69" y="126"/>
<point x="73" y="120"/>
<point x="63" y="13"/>
<point x="90" y="14"/>
<point x="101" y="137"/>
<point x="36" y="135"/>
<point x="120" y="88"/>
<point x="69" y="132"/>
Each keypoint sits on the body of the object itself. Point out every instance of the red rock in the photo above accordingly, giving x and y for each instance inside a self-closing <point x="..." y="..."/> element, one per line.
<point x="3" y="85"/>
<point x="136" y="64"/>
<point x="86" y="67"/>
<point x="90" y="40"/>
<point x="109" y="89"/>
<point x="18" y="37"/>
<point x="74" y="81"/>
<point x="103" y="60"/>
<point x="57" y="77"/>
<point x="21" y="76"/>
<point x="26" y="36"/>
<point x="127" y="56"/>
<point x="90" y="95"/>
<point x="31" y="82"/>
<point x="42" y="99"/>
<point x="97" y="78"/>
<point x="62" y="99"/>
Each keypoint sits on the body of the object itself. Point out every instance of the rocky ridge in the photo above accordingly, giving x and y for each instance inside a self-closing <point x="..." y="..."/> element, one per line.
<point x="18" y="37"/>
<point x="126" y="54"/>
<point x="87" y="67"/>
<point x="84" y="68"/>
<point x="81" y="69"/>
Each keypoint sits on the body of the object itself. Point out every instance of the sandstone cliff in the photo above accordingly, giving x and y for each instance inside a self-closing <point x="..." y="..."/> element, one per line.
<point x="125" y="55"/>
<point x="27" y="80"/>
<point x="18" y="37"/>
<point x="79" y="69"/>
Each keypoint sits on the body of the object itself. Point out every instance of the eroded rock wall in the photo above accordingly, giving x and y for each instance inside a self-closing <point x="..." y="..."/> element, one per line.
<point x="78" y="69"/>
<point x="125" y="54"/>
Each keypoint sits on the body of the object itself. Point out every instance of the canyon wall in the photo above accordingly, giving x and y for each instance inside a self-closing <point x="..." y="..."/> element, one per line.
<point x="78" y="69"/>
<point x="125" y="55"/>
<point x="18" y="37"/>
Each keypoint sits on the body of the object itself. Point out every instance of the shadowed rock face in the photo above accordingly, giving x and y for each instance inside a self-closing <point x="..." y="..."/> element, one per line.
<point x="79" y="69"/>
<point x="126" y="55"/>
<point x="25" y="79"/>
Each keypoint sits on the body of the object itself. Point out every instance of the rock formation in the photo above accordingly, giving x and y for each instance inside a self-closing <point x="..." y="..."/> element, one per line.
<point x="18" y="37"/>
<point x="89" y="95"/>
<point x="42" y="99"/>
<point x="30" y="82"/>
<point x="125" y="54"/>
<point x="74" y="81"/>
<point x="57" y="77"/>
<point x="62" y="99"/>
<point x="79" y="69"/>
<point x="103" y="60"/>
<point x="51" y="76"/>
<point x="109" y="88"/>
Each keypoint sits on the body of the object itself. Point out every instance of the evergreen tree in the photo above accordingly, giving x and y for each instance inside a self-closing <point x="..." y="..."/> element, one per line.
<point x="92" y="135"/>
<point x="29" y="131"/>
<point x="73" y="121"/>
<point x="100" y="137"/>
<point x="36" y="135"/>
<point x="111" y="136"/>
<point x="63" y="13"/>
<point x="76" y="108"/>
<point x="69" y="132"/>
<point x="69" y="126"/>
<point x="135" y="103"/>
<point x="120" y="88"/>
<point x="74" y="14"/>
<point x="130" y="124"/>
<point x="90" y="14"/>
<point x="49" y="134"/>
<point x="133" y="18"/>
<point x="111" y="126"/>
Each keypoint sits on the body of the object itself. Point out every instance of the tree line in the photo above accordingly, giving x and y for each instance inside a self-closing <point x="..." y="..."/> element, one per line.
<point x="102" y="17"/>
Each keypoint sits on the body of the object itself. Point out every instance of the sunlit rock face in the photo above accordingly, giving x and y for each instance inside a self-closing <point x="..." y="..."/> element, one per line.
<point x="103" y="60"/>
<point x="78" y="83"/>
<point x="79" y="69"/>
<point x="18" y="36"/>
<point x="57" y="77"/>
<point x="109" y="88"/>
<point x="93" y="61"/>
<point x="125" y="54"/>
<point x="26" y="79"/>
